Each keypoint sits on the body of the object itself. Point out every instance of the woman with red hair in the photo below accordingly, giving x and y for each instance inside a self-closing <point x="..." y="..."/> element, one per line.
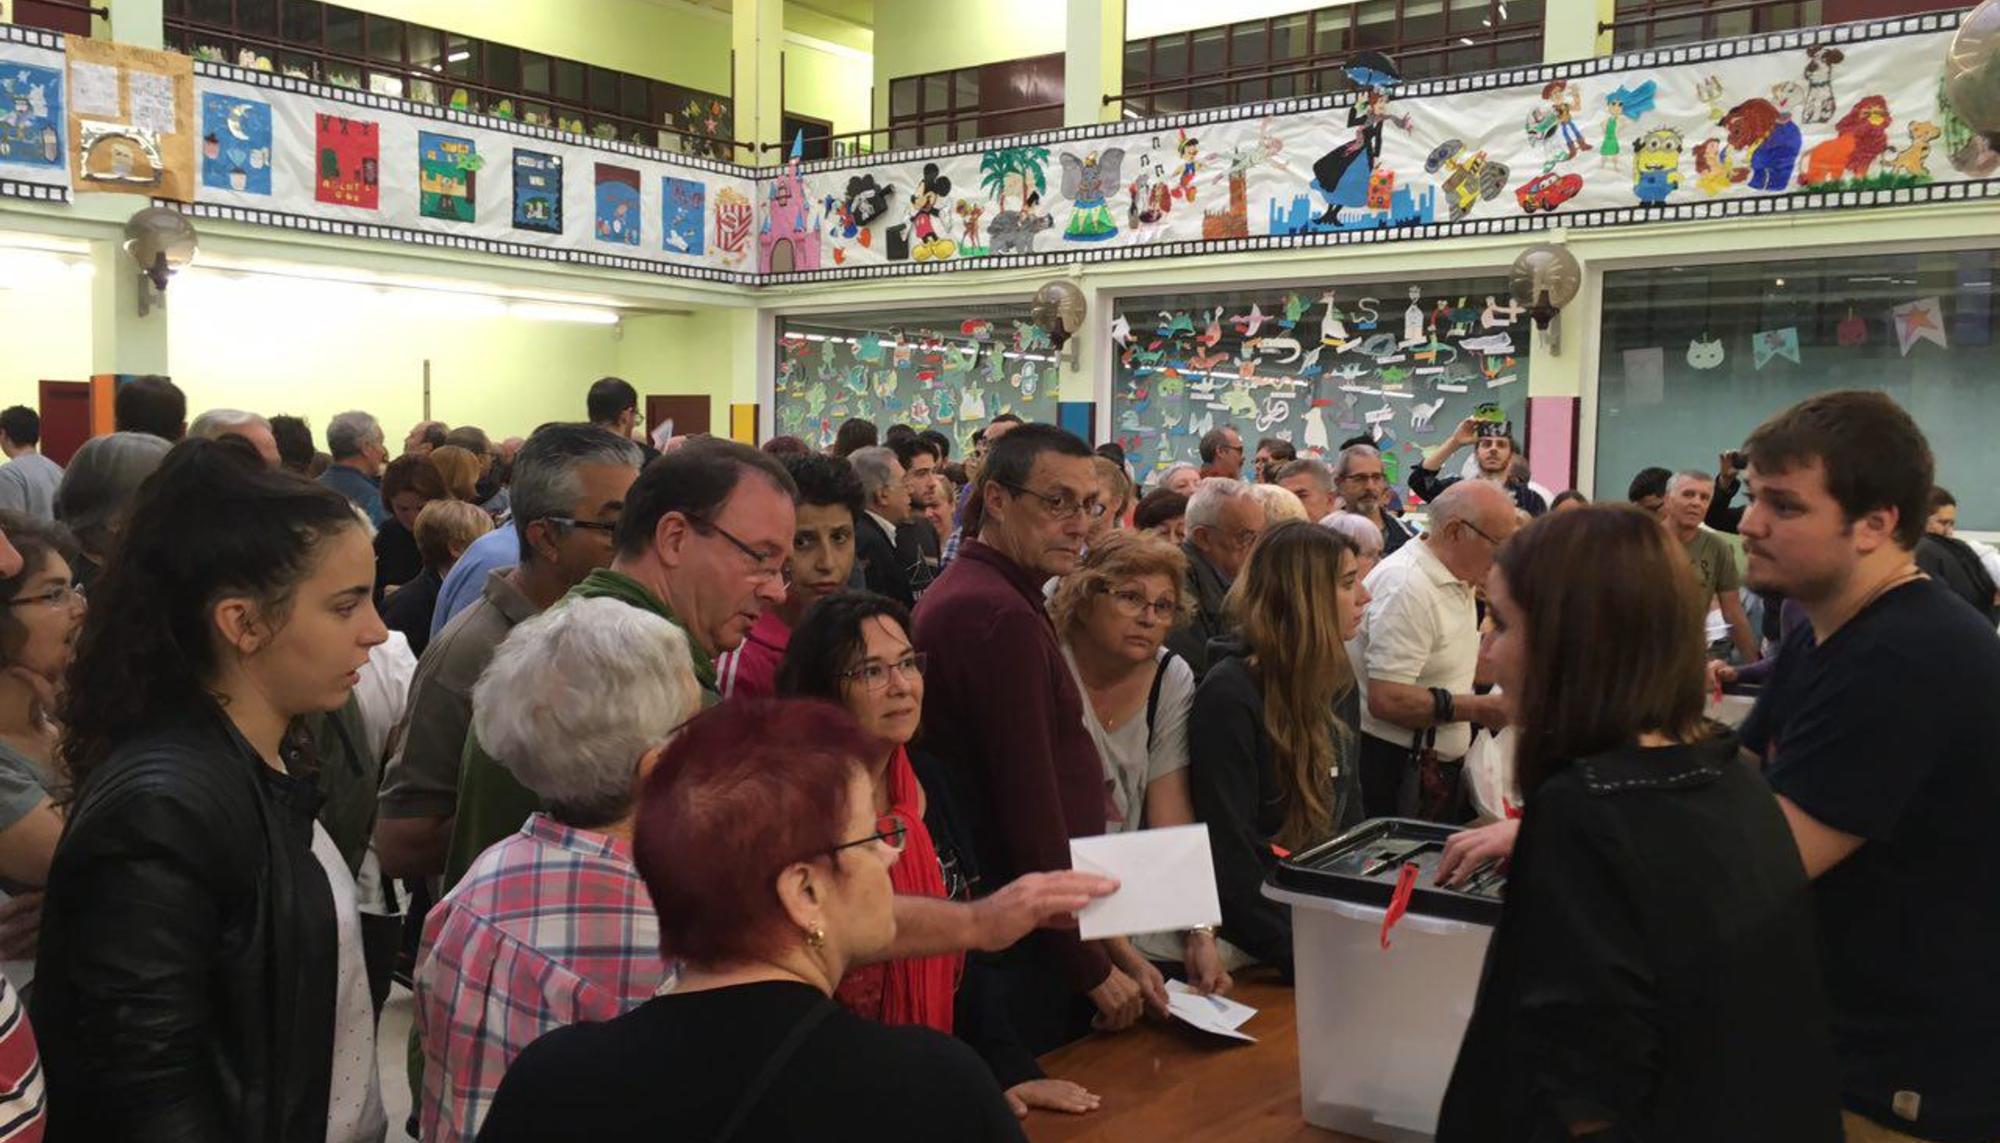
<point x="767" y="862"/>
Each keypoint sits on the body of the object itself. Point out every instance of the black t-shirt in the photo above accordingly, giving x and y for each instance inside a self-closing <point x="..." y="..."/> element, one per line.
<point x="1891" y="732"/>
<point x="676" y="1066"/>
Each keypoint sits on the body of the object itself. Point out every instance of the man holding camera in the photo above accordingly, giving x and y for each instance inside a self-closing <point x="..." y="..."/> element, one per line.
<point x="1495" y="456"/>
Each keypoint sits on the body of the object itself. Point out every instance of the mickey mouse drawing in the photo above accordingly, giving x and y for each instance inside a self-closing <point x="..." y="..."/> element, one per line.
<point x="864" y="202"/>
<point x="925" y="210"/>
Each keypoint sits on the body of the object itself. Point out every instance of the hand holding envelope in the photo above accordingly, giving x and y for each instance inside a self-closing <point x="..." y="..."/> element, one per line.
<point x="1166" y="881"/>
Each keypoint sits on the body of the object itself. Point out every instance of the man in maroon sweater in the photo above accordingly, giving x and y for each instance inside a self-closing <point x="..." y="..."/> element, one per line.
<point x="1001" y="707"/>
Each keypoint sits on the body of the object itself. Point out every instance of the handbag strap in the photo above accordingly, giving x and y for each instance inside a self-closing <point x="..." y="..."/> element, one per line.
<point x="773" y="1067"/>
<point x="1153" y="695"/>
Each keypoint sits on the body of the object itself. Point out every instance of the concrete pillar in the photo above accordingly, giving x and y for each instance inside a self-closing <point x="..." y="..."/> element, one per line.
<point x="757" y="35"/>
<point x="1569" y="29"/>
<point x="141" y="23"/>
<point x="1093" y="61"/>
<point x="121" y="340"/>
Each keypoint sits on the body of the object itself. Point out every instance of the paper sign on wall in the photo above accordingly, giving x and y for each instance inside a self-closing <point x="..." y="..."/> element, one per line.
<point x="1645" y="375"/>
<point x="131" y="117"/>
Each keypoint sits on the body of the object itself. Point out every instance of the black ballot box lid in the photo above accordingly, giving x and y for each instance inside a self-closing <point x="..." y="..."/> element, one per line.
<point x="1363" y="865"/>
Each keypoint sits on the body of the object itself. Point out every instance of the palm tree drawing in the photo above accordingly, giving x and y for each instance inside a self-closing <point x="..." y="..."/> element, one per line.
<point x="1029" y="164"/>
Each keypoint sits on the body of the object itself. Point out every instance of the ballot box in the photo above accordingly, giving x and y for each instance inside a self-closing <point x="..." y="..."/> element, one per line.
<point x="1379" y="1028"/>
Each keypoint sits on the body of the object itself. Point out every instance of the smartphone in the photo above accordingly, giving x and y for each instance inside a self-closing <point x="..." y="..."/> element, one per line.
<point x="1737" y="459"/>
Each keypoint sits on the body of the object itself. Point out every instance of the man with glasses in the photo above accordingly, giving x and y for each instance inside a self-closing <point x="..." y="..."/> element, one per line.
<point x="1223" y="520"/>
<point x="1364" y="489"/>
<point x="1221" y="452"/>
<point x="570" y="484"/>
<point x="1416" y="653"/>
<point x="1002" y="707"/>
<point x="702" y="542"/>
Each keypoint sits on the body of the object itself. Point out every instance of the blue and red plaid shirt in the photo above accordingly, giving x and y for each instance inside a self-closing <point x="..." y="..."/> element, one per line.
<point x="549" y="927"/>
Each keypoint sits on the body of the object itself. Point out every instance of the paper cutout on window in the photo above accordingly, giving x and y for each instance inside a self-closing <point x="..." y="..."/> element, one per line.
<point x="235" y="144"/>
<point x="1645" y="376"/>
<point x="1705" y="353"/>
<point x="1921" y="320"/>
<point x="1770" y="343"/>
<point x="1852" y="332"/>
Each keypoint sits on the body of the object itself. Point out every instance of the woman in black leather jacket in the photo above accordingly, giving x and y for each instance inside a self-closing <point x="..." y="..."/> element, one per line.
<point x="197" y="968"/>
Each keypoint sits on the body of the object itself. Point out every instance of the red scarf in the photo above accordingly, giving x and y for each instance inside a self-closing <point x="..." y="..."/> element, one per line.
<point x="913" y="990"/>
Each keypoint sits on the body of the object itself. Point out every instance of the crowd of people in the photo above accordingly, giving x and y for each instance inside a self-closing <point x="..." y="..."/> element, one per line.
<point x="728" y="790"/>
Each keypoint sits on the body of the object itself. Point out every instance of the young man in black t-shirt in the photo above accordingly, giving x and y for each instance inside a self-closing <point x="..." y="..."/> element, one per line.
<point x="1880" y="733"/>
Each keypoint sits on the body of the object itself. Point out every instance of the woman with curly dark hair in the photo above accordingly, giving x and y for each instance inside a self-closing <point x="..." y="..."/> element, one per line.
<point x="200" y="974"/>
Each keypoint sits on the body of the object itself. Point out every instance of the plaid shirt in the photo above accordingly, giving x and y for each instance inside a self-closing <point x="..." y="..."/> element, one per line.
<point x="549" y="927"/>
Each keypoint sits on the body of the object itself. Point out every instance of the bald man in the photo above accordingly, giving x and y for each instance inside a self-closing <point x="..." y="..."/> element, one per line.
<point x="1416" y="653"/>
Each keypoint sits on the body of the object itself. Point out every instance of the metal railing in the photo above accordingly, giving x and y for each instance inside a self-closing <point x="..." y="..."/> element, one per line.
<point x="1313" y="66"/>
<point x="1639" y="29"/>
<point x="78" y="6"/>
<point x="712" y="146"/>
<point x="835" y="141"/>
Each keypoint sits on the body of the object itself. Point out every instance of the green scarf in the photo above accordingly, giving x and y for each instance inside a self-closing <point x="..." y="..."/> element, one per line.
<point x="607" y="584"/>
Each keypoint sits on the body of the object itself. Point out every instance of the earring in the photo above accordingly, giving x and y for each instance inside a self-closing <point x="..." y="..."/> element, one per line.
<point x="816" y="937"/>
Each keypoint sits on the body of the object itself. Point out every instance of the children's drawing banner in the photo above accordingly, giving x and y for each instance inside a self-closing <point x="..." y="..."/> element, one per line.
<point x="1845" y="116"/>
<point x="1840" y="117"/>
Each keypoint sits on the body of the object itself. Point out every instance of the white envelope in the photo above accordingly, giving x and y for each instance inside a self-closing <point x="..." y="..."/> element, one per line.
<point x="1217" y="1014"/>
<point x="1166" y="881"/>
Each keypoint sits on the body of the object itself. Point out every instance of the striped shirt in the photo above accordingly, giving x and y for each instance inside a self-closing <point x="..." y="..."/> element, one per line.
<point x="23" y="1114"/>
<point x="551" y="926"/>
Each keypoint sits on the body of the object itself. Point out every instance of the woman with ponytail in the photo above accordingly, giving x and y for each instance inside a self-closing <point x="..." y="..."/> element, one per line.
<point x="1271" y="746"/>
<point x="200" y="972"/>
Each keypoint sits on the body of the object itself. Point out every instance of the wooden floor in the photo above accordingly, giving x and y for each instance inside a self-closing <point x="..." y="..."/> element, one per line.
<point x="1168" y="1082"/>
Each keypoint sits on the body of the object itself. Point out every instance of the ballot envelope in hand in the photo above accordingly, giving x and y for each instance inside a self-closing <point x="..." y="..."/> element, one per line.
<point x="1166" y="881"/>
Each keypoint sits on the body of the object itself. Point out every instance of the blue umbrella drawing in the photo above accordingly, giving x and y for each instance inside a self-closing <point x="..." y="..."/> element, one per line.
<point x="1372" y="69"/>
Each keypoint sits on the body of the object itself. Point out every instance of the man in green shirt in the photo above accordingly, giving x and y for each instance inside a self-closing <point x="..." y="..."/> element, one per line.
<point x="702" y="542"/>
<point x="1714" y="561"/>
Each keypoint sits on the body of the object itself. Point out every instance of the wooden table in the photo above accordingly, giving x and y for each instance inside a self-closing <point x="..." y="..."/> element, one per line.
<point x="1169" y="1082"/>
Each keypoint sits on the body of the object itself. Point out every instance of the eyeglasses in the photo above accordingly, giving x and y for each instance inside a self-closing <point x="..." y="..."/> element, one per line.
<point x="889" y="830"/>
<point x="1480" y="534"/>
<point x="764" y="566"/>
<point x="56" y="598"/>
<point x="605" y="526"/>
<point x="1365" y="478"/>
<point x="875" y="676"/>
<point x="1061" y="507"/>
<point x="1236" y="448"/>
<point x="1132" y="605"/>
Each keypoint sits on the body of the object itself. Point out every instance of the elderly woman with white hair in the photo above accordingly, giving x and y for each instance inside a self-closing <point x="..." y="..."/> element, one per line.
<point x="552" y="925"/>
<point x="1180" y="476"/>
<point x="1366" y="536"/>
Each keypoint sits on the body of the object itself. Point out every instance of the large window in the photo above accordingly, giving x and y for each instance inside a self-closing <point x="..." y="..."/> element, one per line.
<point x="308" y="39"/>
<point x="1694" y="357"/>
<point x="1402" y="361"/>
<point x="952" y="369"/>
<point x="1302" y="53"/>
<point x="976" y="102"/>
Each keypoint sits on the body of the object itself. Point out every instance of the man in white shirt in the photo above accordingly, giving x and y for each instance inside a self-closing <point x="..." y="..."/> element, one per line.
<point x="28" y="480"/>
<point x="1419" y="645"/>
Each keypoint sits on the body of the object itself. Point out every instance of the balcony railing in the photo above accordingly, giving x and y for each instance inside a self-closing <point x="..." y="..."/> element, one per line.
<point x="71" y="16"/>
<point x="345" y="69"/>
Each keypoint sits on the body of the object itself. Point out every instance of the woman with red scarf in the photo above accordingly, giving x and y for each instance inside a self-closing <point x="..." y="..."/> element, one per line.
<point x="853" y="648"/>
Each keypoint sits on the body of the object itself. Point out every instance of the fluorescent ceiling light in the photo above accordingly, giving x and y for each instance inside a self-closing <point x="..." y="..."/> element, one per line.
<point x="458" y="57"/>
<point x="541" y="311"/>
